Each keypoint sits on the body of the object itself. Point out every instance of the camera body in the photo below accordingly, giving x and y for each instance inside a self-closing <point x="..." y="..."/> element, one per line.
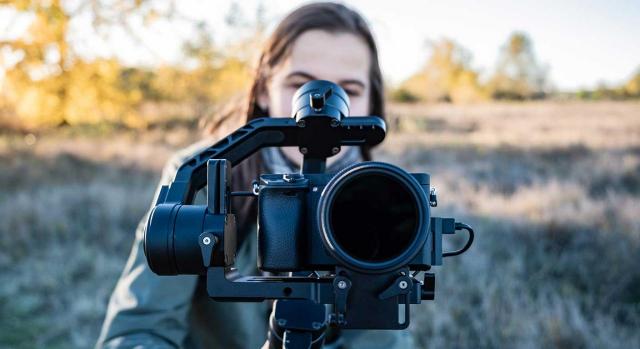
<point x="371" y="217"/>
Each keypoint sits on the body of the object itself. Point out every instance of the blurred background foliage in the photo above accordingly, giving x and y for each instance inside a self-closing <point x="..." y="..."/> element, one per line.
<point x="46" y="83"/>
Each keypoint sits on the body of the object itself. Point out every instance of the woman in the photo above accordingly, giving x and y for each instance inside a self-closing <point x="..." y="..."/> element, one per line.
<point x="319" y="41"/>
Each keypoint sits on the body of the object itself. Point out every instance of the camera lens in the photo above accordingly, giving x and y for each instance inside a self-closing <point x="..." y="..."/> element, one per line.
<point x="372" y="217"/>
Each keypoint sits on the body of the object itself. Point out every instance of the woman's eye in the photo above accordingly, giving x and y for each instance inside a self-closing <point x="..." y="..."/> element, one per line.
<point x="295" y="85"/>
<point x="352" y="93"/>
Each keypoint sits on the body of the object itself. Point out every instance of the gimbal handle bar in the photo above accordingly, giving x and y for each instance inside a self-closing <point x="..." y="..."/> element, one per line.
<point x="316" y="141"/>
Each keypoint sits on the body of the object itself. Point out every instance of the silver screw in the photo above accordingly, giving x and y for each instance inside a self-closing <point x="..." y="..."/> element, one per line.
<point x="304" y="150"/>
<point x="314" y="189"/>
<point x="342" y="284"/>
<point x="301" y="123"/>
<point x="282" y="322"/>
<point x="403" y="284"/>
<point x="335" y="150"/>
<point x="206" y="240"/>
<point x="334" y="123"/>
<point x="316" y="325"/>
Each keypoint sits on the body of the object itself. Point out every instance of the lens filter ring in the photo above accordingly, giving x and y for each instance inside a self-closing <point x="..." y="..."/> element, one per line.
<point x="373" y="217"/>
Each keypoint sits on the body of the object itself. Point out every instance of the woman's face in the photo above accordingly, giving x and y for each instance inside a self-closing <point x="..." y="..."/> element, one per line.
<point x="342" y="58"/>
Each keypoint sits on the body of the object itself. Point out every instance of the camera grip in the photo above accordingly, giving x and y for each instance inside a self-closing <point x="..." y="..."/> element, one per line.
<point x="281" y="229"/>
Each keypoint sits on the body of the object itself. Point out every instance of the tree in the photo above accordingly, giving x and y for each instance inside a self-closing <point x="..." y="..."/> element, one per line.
<point x="46" y="83"/>
<point x="518" y="74"/>
<point x="447" y="76"/>
<point x="219" y="73"/>
<point x="632" y="87"/>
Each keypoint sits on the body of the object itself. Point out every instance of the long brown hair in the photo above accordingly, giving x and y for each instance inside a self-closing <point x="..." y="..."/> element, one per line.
<point x="330" y="17"/>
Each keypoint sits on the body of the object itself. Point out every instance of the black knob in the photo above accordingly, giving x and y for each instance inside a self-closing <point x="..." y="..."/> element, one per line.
<point x="428" y="291"/>
<point x="317" y="100"/>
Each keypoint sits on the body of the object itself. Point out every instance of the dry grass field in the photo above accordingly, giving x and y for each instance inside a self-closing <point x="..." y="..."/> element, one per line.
<point x="552" y="189"/>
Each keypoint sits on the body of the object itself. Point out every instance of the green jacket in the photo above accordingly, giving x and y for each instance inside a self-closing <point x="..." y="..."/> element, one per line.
<point x="151" y="311"/>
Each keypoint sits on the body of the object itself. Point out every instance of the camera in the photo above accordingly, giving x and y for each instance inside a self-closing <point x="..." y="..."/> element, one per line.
<point x="355" y="240"/>
<point x="371" y="217"/>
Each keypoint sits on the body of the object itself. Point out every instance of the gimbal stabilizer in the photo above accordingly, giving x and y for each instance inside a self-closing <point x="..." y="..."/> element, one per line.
<point x="352" y="239"/>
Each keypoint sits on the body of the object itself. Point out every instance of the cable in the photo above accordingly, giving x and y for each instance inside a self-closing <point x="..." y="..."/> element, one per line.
<point x="461" y="226"/>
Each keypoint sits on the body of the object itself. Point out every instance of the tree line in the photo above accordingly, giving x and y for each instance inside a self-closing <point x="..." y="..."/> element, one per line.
<point x="44" y="82"/>
<point x="448" y="76"/>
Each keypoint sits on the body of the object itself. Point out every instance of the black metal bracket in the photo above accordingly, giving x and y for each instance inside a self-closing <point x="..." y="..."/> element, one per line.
<point x="208" y="243"/>
<point x="297" y="324"/>
<point x="270" y="132"/>
<point x="401" y="286"/>
<point x="226" y="284"/>
<point x="341" y="287"/>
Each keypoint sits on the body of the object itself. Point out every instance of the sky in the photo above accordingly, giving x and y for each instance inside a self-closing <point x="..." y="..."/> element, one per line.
<point x="583" y="43"/>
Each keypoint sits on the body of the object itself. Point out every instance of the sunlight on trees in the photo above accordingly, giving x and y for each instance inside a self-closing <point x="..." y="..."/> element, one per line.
<point x="45" y="83"/>
<point x="447" y="76"/>
<point x="632" y="87"/>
